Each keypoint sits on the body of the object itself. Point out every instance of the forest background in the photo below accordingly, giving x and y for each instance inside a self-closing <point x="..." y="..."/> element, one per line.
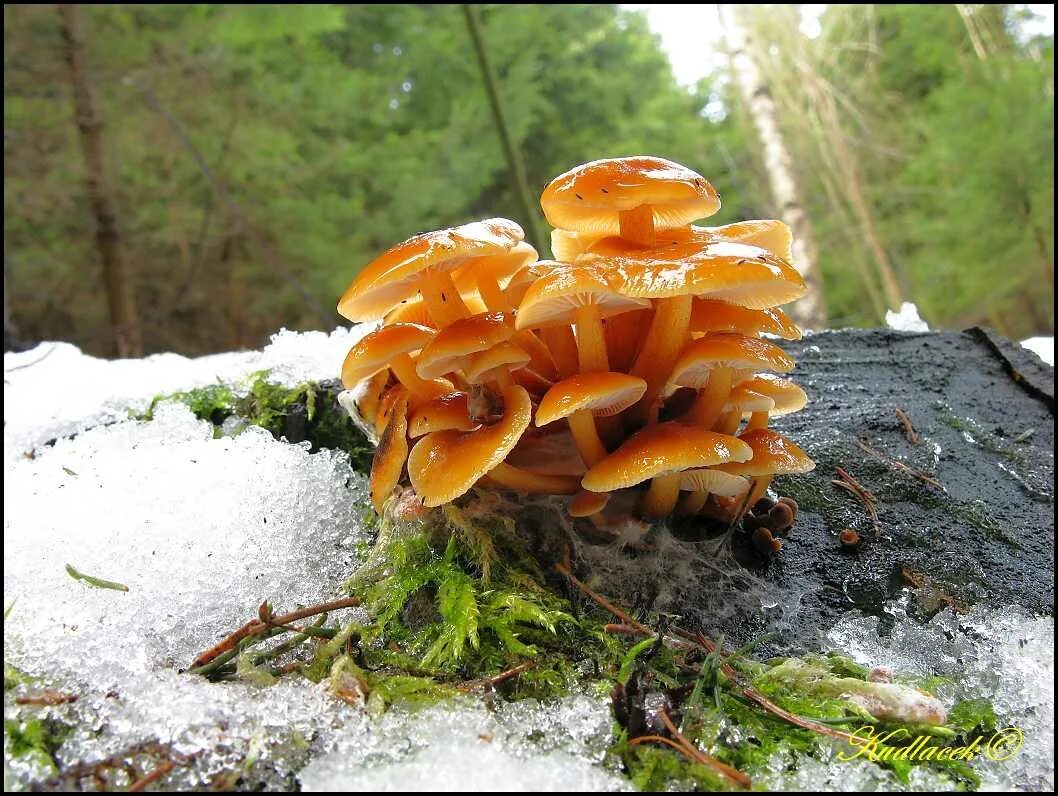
<point x="191" y="178"/>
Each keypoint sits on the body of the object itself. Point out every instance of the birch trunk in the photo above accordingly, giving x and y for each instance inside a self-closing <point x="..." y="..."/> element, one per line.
<point x="810" y="311"/>
<point x="121" y="302"/>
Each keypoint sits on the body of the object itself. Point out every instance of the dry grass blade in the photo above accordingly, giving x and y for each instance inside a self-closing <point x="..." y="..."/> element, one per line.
<point x="912" y="435"/>
<point x="897" y="465"/>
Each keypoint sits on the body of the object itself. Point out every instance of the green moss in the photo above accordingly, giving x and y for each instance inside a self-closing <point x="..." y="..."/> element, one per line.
<point x="307" y="412"/>
<point x="35" y="740"/>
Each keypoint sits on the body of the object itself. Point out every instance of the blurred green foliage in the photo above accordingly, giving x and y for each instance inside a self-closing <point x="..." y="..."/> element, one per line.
<point x="338" y="131"/>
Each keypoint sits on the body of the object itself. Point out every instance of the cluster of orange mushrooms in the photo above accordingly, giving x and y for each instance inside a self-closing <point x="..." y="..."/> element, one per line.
<point x="629" y="373"/>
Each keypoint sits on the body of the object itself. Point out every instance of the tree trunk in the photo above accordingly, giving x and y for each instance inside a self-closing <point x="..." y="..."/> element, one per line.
<point x="810" y="311"/>
<point x="121" y="301"/>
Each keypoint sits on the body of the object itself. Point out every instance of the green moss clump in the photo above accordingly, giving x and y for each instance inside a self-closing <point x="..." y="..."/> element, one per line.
<point x="308" y="412"/>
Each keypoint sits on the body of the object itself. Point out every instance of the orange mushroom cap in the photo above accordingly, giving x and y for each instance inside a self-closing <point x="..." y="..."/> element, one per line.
<point x="770" y="234"/>
<point x="553" y="299"/>
<point x="396" y="274"/>
<point x="481" y="365"/>
<point x="446" y="464"/>
<point x="440" y="414"/>
<point x="661" y="449"/>
<point x="742" y="400"/>
<point x="711" y="315"/>
<point x="726" y="350"/>
<point x="585" y="503"/>
<point x="391" y="454"/>
<point x="733" y="272"/>
<point x="589" y="197"/>
<point x="601" y="393"/>
<point x="376" y="350"/>
<point x="786" y="395"/>
<point x="773" y="454"/>
<point x="500" y="267"/>
<point x="448" y="350"/>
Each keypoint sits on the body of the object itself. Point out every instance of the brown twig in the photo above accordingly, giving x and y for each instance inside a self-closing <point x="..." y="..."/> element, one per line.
<point x="862" y="493"/>
<point x="912" y="435"/>
<point x="256" y="626"/>
<point x="47" y="698"/>
<point x="163" y="768"/>
<point x="898" y="465"/>
<point x="626" y="629"/>
<point x="495" y="680"/>
<point x="699" y="640"/>
<point x="699" y="756"/>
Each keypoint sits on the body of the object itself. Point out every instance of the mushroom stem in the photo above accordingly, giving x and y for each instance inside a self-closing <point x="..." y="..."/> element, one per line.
<point x="758" y="420"/>
<point x="728" y="423"/>
<point x="540" y="357"/>
<point x="403" y="367"/>
<point x="637" y="225"/>
<point x="692" y="502"/>
<point x="517" y="478"/>
<point x="442" y="298"/>
<point x="502" y="377"/>
<point x="495" y="299"/>
<point x="591" y="343"/>
<point x="705" y="410"/>
<point x="760" y="486"/>
<point x="661" y="498"/>
<point x="586" y="436"/>
<point x="563" y="347"/>
<point x="668" y="330"/>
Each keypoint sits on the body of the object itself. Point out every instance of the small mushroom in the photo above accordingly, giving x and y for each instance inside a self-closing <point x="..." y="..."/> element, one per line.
<point x="772" y="454"/>
<point x="445" y="464"/>
<point x="423" y="264"/>
<point x="449" y="411"/>
<point x="579" y="295"/>
<point x="703" y="482"/>
<point x="660" y="453"/>
<point x="786" y="396"/>
<point x="579" y="398"/>
<point x="495" y="364"/>
<point x="712" y="363"/>
<point x="389" y="347"/>
<point x="451" y="349"/>
<point x="631" y="197"/>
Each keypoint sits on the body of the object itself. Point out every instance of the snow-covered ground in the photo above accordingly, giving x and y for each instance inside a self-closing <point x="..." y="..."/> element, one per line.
<point x="202" y="530"/>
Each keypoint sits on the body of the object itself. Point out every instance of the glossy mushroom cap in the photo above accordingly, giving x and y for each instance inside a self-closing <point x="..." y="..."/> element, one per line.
<point x="732" y="272"/>
<point x="590" y="197"/>
<point x="453" y="344"/>
<point x="743" y="401"/>
<point x="600" y="393"/>
<point x="482" y="365"/>
<point x="773" y="454"/>
<point x="726" y="350"/>
<point x="394" y="276"/>
<point x="584" y="503"/>
<point x="786" y="395"/>
<point x="554" y="298"/>
<point x="711" y="315"/>
<point x="662" y="449"/>
<point x="769" y="234"/>
<point x="446" y="464"/>
<point x="376" y="350"/>
<point x="450" y="411"/>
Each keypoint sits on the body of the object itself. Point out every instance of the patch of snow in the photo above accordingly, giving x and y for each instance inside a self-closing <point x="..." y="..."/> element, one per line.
<point x="1043" y="347"/>
<point x="906" y="320"/>
<point x="56" y="390"/>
